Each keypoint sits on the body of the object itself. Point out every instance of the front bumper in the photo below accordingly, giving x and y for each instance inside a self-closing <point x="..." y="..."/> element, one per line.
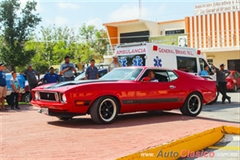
<point x="56" y="108"/>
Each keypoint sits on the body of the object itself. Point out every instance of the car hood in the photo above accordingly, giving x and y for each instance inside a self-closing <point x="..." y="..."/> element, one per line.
<point x="63" y="86"/>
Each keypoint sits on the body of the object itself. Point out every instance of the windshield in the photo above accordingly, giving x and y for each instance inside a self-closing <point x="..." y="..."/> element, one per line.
<point x="80" y="77"/>
<point x="122" y="74"/>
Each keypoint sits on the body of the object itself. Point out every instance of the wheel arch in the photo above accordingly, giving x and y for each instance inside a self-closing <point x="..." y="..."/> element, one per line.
<point x="105" y="95"/>
<point x="195" y="91"/>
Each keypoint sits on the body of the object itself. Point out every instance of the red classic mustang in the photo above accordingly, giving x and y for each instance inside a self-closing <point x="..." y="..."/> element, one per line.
<point x="126" y="89"/>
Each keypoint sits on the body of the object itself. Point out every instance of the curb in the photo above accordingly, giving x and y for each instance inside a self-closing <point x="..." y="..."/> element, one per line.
<point x="184" y="146"/>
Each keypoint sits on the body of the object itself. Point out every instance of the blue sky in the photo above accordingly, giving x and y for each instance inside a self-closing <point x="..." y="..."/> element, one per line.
<point x="73" y="13"/>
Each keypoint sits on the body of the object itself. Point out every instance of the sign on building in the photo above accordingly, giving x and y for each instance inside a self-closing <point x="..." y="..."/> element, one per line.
<point x="217" y="7"/>
<point x="177" y="40"/>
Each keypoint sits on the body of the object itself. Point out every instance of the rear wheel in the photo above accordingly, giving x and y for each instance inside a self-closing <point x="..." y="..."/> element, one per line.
<point x="104" y="110"/>
<point x="193" y="105"/>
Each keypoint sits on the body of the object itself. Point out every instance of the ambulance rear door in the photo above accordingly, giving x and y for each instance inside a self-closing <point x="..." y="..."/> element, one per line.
<point x="132" y="55"/>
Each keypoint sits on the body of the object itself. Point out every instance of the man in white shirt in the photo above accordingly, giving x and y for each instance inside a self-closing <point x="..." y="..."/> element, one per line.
<point x="114" y="63"/>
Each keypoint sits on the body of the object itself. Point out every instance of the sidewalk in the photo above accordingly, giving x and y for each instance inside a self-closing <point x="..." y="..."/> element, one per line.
<point x="228" y="148"/>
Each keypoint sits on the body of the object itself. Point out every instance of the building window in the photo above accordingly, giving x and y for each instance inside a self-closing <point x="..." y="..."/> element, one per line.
<point x="180" y="31"/>
<point x="234" y="64"/>
<point x="210" y="61"/>
<point x="131" y="37"/>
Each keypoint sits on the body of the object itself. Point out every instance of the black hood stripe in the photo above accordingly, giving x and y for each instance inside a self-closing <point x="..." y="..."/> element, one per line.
<point x="69" y="83"/>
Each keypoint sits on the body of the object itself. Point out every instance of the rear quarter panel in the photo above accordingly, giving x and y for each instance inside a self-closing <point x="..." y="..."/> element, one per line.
<point x="192" y="83"/>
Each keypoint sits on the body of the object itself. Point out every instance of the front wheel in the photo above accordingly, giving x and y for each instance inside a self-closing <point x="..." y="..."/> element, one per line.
<point x="104" y="110"/>
<point x="192" y="105"/>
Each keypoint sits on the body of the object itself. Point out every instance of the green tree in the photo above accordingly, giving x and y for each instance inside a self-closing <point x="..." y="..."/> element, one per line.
<point x="94" y="41"/>
<point x="16" y="30"/>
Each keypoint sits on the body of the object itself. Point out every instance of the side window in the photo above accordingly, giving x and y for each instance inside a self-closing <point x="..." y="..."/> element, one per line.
<point x="172" y="76"/>
<point x="187" y="64"/>
<point x="160" y="75"/>
<point x="202" y="63"/>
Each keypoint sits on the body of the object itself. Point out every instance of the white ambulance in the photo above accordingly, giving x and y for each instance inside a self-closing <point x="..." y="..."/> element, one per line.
<point x="158" y="55"/>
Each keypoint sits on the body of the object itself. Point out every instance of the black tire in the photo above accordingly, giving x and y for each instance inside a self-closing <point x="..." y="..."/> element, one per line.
<point x="65" y="118"/>
<point x="192" y="105"/>
<point x="104" y="110"/>
<point x="26" y="97"/>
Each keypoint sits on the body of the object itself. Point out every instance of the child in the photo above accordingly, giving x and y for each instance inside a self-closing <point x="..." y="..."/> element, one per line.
<point x="15" y="90"/>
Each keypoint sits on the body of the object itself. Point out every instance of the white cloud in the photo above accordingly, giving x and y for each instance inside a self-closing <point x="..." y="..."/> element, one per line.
<point x="97" y="22"/>
<point x="127" y="12"/>
<point x="60" y="21"/>
<point x="65" y="5"/>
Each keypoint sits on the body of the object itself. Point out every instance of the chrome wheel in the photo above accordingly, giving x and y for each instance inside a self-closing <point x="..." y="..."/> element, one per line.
<point x="107" y="110"/>
<point x="194" y="104"/>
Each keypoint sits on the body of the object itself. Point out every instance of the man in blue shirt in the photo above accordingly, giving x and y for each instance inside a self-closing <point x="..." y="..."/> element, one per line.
<point x="67" y="69"/>
<point x="91" y="71"/>
<point x="51" y="77"/>
<point x="3" y="85"/>
<point x="204" y="72"/>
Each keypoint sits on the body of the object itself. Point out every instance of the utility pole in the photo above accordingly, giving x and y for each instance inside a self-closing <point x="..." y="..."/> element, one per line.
<point x="140" y="9"/>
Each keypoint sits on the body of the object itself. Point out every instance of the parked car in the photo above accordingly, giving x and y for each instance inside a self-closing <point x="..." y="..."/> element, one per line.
<point x="102" y="70"/>
<point x="233" y="81"/>
<point x="22" y="93"/>
<point x="123" y="90"/>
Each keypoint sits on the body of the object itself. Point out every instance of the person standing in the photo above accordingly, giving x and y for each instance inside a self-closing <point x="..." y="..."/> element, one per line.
<point x="31" y="74"/>
<point x="15" y="90"/>
<point x="91" y="71"/>
<point x="114" y="63"/>
<point x="50" y="77"/>
<point x="221" y="81"/>
<point x="3" y="85"/>
<point x="67" y="69"/>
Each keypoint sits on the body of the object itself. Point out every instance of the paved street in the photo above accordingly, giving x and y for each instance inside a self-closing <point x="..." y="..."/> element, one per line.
<point x="28" y="134"/>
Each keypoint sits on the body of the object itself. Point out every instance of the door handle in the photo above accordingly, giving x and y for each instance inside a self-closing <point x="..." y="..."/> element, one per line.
<point x="172" y="87"/>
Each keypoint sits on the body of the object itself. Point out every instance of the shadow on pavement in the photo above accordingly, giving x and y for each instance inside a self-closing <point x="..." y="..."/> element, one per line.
<point x="128" y="120"/>
<point x="23" y="107"/>
<point x="220" y="106"/>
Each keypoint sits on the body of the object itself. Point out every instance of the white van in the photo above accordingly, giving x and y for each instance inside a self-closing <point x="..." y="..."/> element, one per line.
<point x="158" y="55"/>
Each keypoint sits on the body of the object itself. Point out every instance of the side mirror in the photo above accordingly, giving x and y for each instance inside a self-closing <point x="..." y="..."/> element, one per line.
<point x="145" y="79"/>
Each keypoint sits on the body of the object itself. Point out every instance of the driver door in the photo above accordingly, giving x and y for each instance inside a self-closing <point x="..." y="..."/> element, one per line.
<point x="158" y="95"/>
